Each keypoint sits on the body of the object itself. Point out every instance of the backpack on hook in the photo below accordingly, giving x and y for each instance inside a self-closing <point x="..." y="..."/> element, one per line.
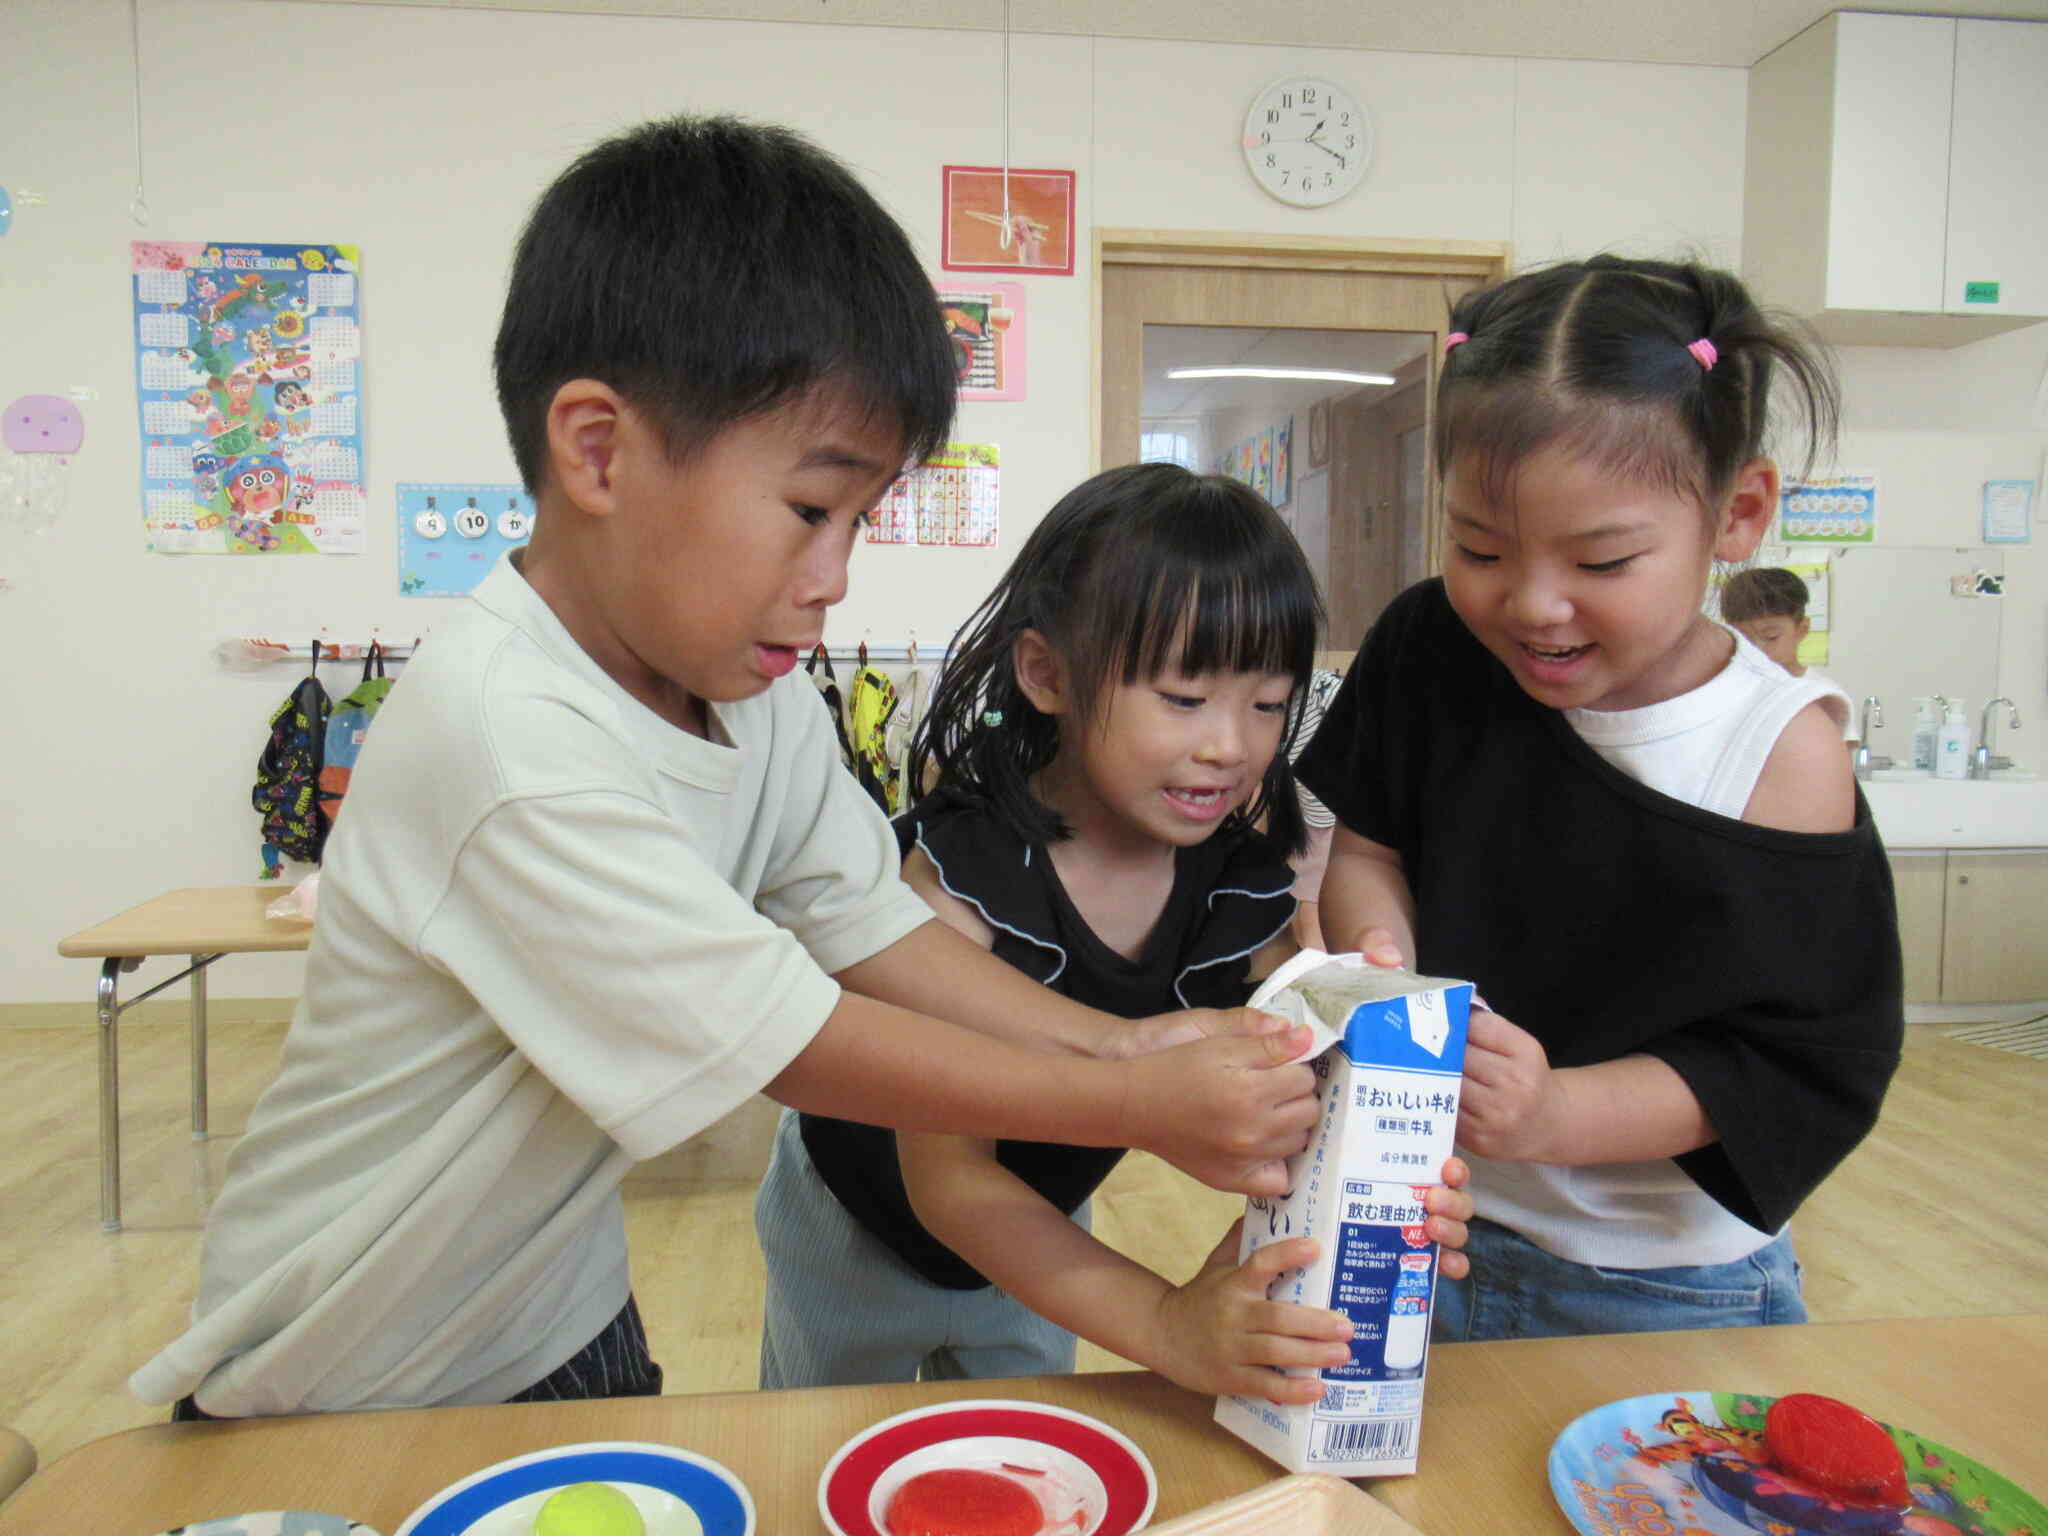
<point x="288" y="776"/>
<point x="346" y="727"/>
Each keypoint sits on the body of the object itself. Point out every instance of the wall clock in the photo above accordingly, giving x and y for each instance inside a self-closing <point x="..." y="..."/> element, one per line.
<point x="1307" y="141"/>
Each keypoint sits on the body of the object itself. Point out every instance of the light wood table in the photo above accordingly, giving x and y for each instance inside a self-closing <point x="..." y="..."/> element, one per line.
<point x="1493" y="1411"/>
<point x="203" y="924"/>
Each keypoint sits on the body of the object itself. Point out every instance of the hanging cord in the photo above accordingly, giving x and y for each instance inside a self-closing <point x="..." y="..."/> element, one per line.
<point x="138" y="206"/>
<point x="1005" y="232"/>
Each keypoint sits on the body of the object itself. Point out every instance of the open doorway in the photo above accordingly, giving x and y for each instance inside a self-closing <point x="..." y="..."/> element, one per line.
<point x="1359" y="492"/>
<point x="1326" y="425"/>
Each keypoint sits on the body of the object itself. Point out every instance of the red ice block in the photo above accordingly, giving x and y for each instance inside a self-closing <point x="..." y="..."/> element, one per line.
<point x="1836" y="1448"/>
<point x="964" y="1502"/>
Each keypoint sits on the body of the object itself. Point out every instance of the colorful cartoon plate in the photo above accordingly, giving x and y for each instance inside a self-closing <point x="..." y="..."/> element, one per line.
<point x="1091" y="1480"/>
<point x="676" y="1492"/>
<point x="1694" y="1462"/>
<point x="274" y="1522"/>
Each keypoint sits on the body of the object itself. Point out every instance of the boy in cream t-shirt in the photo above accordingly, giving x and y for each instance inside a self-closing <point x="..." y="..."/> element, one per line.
<point x="602" y="876"/>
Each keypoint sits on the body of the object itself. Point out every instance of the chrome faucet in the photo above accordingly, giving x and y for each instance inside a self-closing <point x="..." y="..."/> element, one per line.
<point x="1983" y="760"/>
<point x="1866" y="761"/>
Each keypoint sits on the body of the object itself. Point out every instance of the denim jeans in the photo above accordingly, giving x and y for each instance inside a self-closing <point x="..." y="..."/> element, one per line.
<point x="1518" y="1291"/>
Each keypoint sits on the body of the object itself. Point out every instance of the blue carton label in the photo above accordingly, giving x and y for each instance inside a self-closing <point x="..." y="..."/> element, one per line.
<point x="1421" y="1032"/>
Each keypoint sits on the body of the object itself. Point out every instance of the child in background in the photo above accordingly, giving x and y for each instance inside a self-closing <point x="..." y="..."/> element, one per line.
<point x="1768" y="607"/>
<point x="1640" y="838"/>
<point x="1106" y="736"/>
<point x="603" y="877"/>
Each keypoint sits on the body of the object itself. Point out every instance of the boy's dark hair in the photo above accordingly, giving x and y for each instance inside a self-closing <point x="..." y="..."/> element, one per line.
<point x="1136" y="570"/>
<point x="1769" y="593"/>
<point x="710" y="269"/>
<point x="1598" y="358"/>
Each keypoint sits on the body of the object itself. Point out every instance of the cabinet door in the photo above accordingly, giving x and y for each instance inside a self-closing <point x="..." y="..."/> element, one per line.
<point x="1995" y="927"/>
<point x="1920" y="882"/>
<point x="1998" y="166"/>
<point x="1888" y="183"/>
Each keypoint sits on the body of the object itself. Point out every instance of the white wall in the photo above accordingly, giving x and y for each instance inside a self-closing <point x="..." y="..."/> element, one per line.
<point x="422" y="135"/>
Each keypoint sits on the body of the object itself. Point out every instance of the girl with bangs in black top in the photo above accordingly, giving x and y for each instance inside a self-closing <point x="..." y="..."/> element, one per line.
<point x="1106" y="746"/>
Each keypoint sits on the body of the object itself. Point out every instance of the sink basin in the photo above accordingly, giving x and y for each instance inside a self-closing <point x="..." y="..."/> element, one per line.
<point x="1916" y="776"/>
<point x="1917" y="810"/>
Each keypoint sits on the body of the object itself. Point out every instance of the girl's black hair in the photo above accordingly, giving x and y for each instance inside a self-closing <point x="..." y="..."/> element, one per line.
<point x="1134" y="571"/>
<point x="1596" y="357"/>
<point x="710" y="270"/>
<point x="1770" y="592"/>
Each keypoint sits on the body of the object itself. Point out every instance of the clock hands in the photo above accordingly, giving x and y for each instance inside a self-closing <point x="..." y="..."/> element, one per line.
<point x="1310" y="138"/>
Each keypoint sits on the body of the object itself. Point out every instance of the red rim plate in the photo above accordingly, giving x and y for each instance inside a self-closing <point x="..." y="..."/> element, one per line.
<point x="852" y="1473"/>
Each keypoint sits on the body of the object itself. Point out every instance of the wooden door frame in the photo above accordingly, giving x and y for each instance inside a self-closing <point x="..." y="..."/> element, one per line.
<point x="1484" y="260"/>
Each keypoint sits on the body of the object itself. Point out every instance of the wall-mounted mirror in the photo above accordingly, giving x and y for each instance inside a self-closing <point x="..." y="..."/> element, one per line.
<point x="1898" y="630"/>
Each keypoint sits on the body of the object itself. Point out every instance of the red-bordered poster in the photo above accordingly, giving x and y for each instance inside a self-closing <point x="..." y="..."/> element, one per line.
<point x="1019" y="221"/>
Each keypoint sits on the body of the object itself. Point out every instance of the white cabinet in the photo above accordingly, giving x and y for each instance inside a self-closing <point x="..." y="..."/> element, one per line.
<point x="1894" y="173"/>
<point x="1998" y="168"/>
<point x="1971" y="924"/>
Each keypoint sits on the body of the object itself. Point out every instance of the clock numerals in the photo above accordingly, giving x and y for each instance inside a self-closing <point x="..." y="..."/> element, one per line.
<point x="1306" y="141"/>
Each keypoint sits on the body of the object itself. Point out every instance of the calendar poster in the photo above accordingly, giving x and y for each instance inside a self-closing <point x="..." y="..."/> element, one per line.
<point x="249" y="387"/>
<point x="449" y="536"/>
<point x="951" y="499"/>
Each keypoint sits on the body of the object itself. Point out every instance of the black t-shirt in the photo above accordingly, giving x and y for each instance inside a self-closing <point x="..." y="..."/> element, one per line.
<point x="1608" y="919"/>
<point x="1231" y="893"/>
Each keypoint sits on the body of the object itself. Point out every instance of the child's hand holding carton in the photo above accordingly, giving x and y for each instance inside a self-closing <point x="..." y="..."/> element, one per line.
<point x="1391" y="1047"/>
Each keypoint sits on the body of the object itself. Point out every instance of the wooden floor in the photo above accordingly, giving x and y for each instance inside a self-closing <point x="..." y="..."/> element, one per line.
<point x="1941" y="1212"/>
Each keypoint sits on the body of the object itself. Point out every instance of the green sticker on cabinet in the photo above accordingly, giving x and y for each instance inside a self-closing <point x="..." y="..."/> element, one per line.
<point x="1980" y="293"/>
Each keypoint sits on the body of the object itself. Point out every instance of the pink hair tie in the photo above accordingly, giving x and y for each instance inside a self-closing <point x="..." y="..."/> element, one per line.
<point x="1451" y="341"/>
<point x="1707" y="353"/>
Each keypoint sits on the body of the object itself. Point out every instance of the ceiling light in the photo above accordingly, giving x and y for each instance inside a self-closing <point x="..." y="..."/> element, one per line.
<point x="1329" y="375"/>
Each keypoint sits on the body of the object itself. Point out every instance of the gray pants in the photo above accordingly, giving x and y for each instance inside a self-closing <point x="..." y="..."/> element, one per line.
<point x="844" y="1311"/>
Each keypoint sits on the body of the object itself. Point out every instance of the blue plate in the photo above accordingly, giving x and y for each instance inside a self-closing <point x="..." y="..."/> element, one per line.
<point x="677" y="1493"/>
<point x="1695" y="1462"/>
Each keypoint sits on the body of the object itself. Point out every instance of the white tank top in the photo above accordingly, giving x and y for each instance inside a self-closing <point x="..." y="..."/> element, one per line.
<point x="1707" y="748"/>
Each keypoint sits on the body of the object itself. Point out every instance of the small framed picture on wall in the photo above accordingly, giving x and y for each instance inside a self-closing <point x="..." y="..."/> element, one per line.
<point x="985" y="324"/>
<point x="1319" y="435"/>
<point x="1014" y="221"/>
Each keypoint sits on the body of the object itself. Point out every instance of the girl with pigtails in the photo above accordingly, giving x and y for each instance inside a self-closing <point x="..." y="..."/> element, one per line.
<point x="1555" y="776"/>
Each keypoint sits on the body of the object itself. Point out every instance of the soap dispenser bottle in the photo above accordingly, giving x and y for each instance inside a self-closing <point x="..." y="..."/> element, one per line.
<point x="1926" y="722"/>
<point x="1952" y="744"/>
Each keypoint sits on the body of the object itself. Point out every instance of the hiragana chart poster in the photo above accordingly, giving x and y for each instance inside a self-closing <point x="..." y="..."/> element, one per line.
<point x="954" y="497"/>
<point x="449" y="536"/>
<point x="249" y="378"/>
<point x="1837" y="508"/>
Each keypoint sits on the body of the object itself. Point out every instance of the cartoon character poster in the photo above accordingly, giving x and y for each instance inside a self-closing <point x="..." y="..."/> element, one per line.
<point x="249" y="382"/>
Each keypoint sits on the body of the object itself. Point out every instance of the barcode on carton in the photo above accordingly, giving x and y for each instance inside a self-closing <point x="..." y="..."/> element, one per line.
<point x="1369" y="1440"/>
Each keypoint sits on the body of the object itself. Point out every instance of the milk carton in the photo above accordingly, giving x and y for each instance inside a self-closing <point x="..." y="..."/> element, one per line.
<point x="1392" y="1046"/>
